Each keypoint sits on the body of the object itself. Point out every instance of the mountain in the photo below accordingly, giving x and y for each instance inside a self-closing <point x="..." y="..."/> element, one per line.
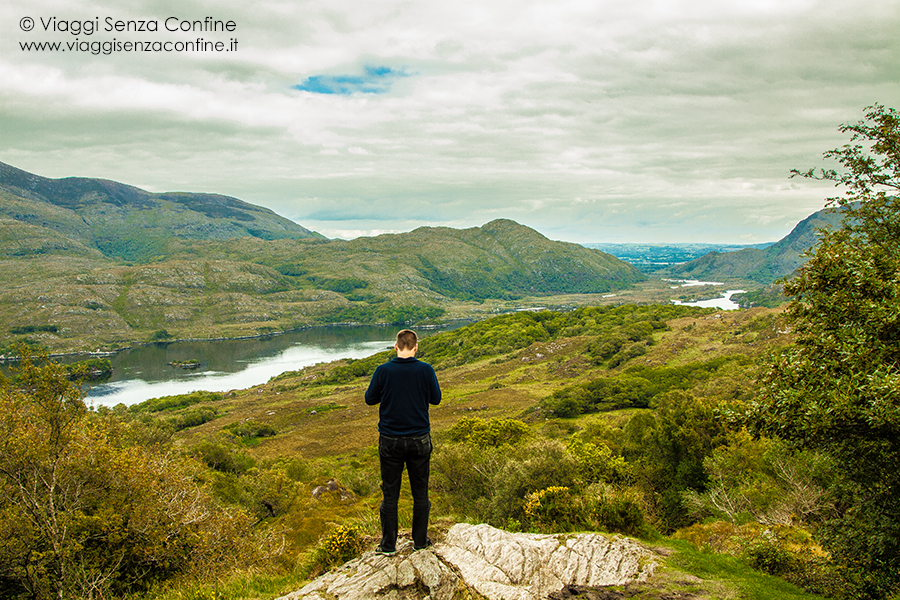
<point x="495" y="260"/>
<point x="122" y="221"/>
<point x="202" y="265"/>
<point x="762" y="265"/>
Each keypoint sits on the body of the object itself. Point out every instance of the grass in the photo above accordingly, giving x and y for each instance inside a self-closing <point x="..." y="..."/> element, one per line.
<point x="725" y="576"/>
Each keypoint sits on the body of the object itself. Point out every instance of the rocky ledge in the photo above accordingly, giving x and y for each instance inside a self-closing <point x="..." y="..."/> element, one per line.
<point x="481" y="561"/>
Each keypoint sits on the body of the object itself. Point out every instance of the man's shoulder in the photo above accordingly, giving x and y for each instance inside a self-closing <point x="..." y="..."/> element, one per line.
<point x="406" y="365"/>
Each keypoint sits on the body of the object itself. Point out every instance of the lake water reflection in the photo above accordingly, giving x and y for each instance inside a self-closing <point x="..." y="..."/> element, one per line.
<point x="144" y="372"/>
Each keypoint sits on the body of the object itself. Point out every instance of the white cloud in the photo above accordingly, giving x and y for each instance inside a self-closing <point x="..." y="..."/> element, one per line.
<point x="594" y="121"/>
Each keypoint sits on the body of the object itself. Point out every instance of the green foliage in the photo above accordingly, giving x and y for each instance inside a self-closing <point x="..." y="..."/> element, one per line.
<point x="596" y="463"/>
<point x="720" y="549"/>
<point x="838" y="387"/>
<point x="85" y="512"/>
<point x="636" y="387"/>
<point x="222" y="454"/>
<point x="342" y="544"/>
<point x="192" y="417"/>
<point x="33" y="329"/>
<point x="355" y="368"/>
<point x="160" y="335"/>
<point x="492" y="433"/>
<point x="553" y="509"/>
<point x="620" y="511"/>
<point x="250" y="429"/>
<point x="514" y="331"/>
<point x="175" y="402"/>
<point x="92" y="369"/>
<point x="292" y="270"/>
<point x="764" y="480"/>
<point x="387" y="312"/>
<point x="668" y="449"/>
<point x="342" y="286"/>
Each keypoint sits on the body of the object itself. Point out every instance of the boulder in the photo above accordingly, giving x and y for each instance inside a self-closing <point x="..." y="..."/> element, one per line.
<point x="482" y="560"/>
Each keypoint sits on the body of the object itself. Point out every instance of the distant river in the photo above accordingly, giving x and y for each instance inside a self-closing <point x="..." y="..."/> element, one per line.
<point x="724" y="302"/>
<point x="144" y="372"/>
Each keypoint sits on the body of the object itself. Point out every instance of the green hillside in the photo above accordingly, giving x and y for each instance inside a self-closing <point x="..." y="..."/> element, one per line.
<point x="256" y="462"/>
<point x="201" y="265"/>
<point x="766" y="265"/>
<point x="126" y="222"/>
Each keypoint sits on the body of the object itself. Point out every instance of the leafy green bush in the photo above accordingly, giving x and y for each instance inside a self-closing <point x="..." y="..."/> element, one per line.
<point x="596" y="463"/>
<point x="250" y="429"/>
<point x="492" y="432"/>
<point x="34" y="329"/>
<point x="192" y="417"/>
<point x="526" y="469"/>
<point x="175" y="402"/>
<point x="636" y="387"/>
<point x="386" y="312"/>
<point x="554" y="509"/>
<point x="619" y="511"/>
<point x="92" y="369"/>
<point x="87" y="512"/>
<point x="341" y="285"/>
<point x="767" y="555"/>
<point x="344" y="543"/>
<point x="222" y="455"/>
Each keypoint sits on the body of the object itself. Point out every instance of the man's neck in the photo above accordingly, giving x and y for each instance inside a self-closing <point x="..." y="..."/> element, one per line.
<point x="410" y="353"/>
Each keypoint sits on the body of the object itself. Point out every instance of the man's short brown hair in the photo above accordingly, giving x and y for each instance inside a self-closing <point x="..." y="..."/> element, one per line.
<point x="407" y="340"/>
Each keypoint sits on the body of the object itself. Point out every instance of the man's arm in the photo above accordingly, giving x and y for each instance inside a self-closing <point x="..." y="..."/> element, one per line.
<point x="435" y="396"/>
<point x="373" y="392"/>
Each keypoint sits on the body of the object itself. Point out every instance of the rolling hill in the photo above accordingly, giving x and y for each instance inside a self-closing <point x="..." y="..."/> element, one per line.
<point x="95" y="264"/>
<point x="122" y="221"/>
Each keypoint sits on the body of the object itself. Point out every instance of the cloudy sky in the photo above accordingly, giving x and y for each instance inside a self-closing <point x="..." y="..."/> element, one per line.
<point x="589" y="120"/>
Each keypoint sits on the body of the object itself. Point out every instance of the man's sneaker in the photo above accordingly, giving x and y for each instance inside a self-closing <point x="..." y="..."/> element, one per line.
<point x="428" y="543"/>
<point x="382" y="550"/>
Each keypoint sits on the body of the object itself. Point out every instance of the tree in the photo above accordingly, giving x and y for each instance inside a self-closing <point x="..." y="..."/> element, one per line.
<point x="837" y="388"/>
<point x="87" y="510"/>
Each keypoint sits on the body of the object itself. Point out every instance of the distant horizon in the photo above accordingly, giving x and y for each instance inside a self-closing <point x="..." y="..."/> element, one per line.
<point x="375" y="234"/>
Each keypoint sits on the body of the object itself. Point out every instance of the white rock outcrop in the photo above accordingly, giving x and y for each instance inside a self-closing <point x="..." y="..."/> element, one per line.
<point x="493" y="563"/>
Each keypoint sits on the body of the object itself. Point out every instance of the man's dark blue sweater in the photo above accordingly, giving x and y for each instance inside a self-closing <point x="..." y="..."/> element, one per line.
<point x="403" y="387"/>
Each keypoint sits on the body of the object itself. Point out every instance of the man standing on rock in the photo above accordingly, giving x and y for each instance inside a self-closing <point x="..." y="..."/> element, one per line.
<point x="404" y="387"/>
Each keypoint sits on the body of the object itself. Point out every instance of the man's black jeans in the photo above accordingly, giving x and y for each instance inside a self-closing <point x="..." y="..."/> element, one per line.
<point x="413" y="452"/>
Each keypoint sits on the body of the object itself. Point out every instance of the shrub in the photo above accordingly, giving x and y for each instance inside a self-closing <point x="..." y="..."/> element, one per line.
<point x="92" y="369"/>
<point x="192" y="417"/>
<point x="554" y="508"/>
<point x="175" y="402"/>
<point x="250" y="429"/>
<point x="597" y="463"/>
<point x="344" y="543"/>
<point x="619" y="511"/>
<point x="492" y="432"/>
<point x="222" y="455"/>
<point x="768" y="556"/>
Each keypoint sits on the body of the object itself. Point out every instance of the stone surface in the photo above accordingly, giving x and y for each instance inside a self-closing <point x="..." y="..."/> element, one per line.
<point x="495" y="564"/>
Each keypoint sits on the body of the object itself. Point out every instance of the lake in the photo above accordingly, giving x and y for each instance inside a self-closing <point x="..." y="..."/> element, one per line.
<point x="144" y="372"/>
<point x="724" y="301"/>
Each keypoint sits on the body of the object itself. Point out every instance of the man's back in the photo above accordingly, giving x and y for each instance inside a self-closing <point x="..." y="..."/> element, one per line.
<point x="403" y="388"/>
